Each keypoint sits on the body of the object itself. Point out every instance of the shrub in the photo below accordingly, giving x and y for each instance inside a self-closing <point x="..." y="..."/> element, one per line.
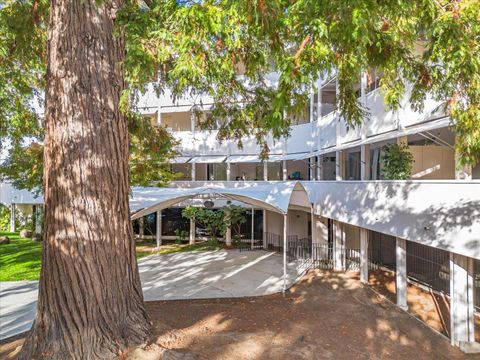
<point x="397" y="162"/>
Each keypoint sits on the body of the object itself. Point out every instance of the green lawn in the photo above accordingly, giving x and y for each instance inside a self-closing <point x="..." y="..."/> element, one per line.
<point x="21" y="259"/>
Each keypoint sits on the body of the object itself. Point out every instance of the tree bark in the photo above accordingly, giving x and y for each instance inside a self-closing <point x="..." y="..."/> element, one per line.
<point x="90" y="301"/>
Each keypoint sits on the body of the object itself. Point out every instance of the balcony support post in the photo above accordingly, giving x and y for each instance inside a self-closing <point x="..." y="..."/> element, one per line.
<point x="340" y="165"/>
<point x="365" y="162"/>
<point x="319" y="167"/>
<point x="339" y="247"/>
<point x="461" y="300"/>
<point x="228" y="171"/>
<point x="401" y="273"/>
<point x="193" y="171"/>
<point x="364" y="255"/>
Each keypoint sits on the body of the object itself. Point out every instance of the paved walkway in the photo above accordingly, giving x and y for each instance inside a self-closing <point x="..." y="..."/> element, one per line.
<point x="188" y="275"/>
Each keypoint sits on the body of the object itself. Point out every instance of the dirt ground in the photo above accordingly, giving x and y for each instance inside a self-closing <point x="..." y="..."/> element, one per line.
<point x="431" y="307"/>
<point x="325" y="316"/>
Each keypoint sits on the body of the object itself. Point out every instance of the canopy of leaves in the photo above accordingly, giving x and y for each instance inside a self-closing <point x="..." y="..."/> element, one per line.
<point x="225" y="48"/>
<point x="151" y="147"/>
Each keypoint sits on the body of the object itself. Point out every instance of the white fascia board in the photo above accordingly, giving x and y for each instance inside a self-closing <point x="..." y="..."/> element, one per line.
<point x="243" y="159"/>
<point x="294" y="156"/>
<point x="415" y="129"/>
<point x="207" y="159"/>
<point x="180" y="160"/>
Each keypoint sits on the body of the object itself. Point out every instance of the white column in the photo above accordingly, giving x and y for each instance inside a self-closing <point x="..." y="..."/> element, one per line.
<point x="194" y="177"/>
<point x="363" y="99"/>
<point x="284" y="170"/>
<point x="252" y="239"/>
<point x="311" y="168"/>
<point x="285" y="230"/>
<point x="159" y="228"/>
<point x="228" y="232"/>
<point x="264" y="235"/>
<point x="159" y="112"/>
<point x="340" y="165"/>
<point x="141" y="223"/>
<point x="313" y="226"/>
<point x="365" y="162"/>
<point x="461" y="300"/>
<point x="228" y="236"/>
<point x="228" y="172"/>
<point x="38" y="219"/>
<point x="265" y="171"/>
<point x="401" y="273"/>
<point x="364" y="256"/>
<point x="312" y="105"/>
<point x="320" y="167"/>
<point x="338" y="253"/>
<point x="365" y="175"/>
<point x="192" y="232"/>
<point x="192" y="120"/>
<point x="12" y="217"/>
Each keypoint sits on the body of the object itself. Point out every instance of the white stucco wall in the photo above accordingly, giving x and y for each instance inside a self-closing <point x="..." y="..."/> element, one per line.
<point x="443" y="214"/>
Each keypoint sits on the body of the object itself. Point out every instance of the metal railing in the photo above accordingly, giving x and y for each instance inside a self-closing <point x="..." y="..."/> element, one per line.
<point x="273" y="242"/>
<point x="352" y="259"/>
<point x="428" y="266"/>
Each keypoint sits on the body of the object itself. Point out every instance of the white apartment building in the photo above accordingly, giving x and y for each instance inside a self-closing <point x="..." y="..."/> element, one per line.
<point x="341" y="213"/>
<point x="320" y="199"/>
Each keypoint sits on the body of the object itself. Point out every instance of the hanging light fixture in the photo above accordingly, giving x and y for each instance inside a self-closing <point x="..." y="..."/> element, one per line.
<point x="208" y="204"/>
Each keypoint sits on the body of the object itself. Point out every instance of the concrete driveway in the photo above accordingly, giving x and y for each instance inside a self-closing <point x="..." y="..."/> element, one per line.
<point x="188" y="275"/>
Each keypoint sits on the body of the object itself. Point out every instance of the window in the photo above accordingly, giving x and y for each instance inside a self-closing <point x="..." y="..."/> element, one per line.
<point x="172" y="219"/>
<point x="259" y="172"/>
<point x="328" y="97"/>
<point x="353" y="166"/>
<point x="275" y="171"/>
<point x="246" y="227"/>
<point x="373" y="79"/>
<point x="217" y="172"/>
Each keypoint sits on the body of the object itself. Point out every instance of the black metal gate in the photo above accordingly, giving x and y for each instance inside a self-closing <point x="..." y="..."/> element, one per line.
<point x="310" y="255"/>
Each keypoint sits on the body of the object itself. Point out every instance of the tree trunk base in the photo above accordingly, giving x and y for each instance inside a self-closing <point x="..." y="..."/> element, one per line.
<point x="90" y="344"/>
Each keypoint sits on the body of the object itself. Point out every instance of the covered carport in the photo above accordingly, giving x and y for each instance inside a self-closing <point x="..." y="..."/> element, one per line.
<point x="279" y="198"/>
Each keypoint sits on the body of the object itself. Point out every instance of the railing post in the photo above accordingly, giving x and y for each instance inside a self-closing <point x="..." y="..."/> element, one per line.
<point x="252" y="239"/>
<point x="264" y="229"/>
<point x="159" y="228"/>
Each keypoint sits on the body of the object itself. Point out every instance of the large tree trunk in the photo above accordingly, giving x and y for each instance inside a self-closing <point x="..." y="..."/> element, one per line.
<point x="90" y="299"/>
